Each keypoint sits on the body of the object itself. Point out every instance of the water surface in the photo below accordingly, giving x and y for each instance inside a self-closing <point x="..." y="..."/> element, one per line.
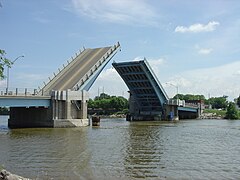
<point x="192" y="149"/>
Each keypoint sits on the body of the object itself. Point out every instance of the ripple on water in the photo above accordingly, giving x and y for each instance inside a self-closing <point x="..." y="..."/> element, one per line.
<point x="124" y="150"/>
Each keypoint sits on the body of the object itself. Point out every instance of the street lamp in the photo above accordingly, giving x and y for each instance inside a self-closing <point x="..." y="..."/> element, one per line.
<point x="8" y="71"/>
<point x="175" y="87"/>
<point x="176" y="110"/>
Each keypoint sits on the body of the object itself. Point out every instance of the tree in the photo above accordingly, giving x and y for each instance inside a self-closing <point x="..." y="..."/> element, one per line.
<point x="108" y="103"/>
<point x="3" y="62"/>
<point x="218" y="102"/>
<point x="238" y="101"/>
<point x="189" y="97"/>
<point x="102" y="96"/>
<point x="232" y="112"/>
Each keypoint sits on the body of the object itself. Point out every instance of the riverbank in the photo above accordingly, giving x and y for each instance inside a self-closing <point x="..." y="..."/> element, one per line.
<point x="6" y="175"/>
<point x="211" y="116"/>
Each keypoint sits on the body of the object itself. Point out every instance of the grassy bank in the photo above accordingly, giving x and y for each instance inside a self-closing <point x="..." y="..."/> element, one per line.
<point x="221" y="113"/>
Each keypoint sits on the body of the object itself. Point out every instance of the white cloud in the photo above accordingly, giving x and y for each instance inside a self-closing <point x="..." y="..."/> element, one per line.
<point x="196" y="28"/>
<point x="205" y="51"/>
<point x="106" y="74"/>
<point x="237" y="73"/>
<point x="216" y="81"/>
<point x="118" y="11"/>
<point x="156" y="64"/>
<point x="110" y="82"/>
<point x="138" y="58"/>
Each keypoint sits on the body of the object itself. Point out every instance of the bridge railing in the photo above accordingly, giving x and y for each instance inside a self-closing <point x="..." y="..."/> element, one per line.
<point x="108" y="55"/>
<point x="60" y="70"/>
<point x="176" y="102"/>
<point x="192" y="105"/>
<point x="18" y="92"/>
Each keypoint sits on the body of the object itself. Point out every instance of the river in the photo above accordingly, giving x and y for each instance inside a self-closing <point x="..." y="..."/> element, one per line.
<point x="190" y="149"/>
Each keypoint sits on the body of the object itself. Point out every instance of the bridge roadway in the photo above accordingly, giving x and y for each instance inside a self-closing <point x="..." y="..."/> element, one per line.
<point x="79" y="70"/>
<point x="79" y="74"/>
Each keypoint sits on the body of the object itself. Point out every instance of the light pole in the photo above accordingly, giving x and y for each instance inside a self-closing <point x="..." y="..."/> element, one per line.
<point x="177" y="104"/>
<point x="175" y="87"/>
<point x="8" y="71"/>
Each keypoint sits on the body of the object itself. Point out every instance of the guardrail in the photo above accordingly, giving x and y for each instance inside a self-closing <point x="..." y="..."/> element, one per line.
<point x="18" y="92"/>
<point x="65" y="66"/>
<point x="176" y="102"/>
<point x="192" y="105"/>
<point x="108" y="55"/>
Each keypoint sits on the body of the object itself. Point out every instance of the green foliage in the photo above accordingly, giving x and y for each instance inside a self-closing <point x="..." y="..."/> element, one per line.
<point x="3" y="62"/>
<point x="232" y="112"/>
<point x="238" y="101"/>
<point x="218" y="102"/>
<point x="102" y="96"/>
<point x="189" y="97"/>
<point x="106" y="102"/>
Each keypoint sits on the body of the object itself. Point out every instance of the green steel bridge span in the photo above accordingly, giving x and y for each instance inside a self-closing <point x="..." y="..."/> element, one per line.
<point x="148" y="99"/>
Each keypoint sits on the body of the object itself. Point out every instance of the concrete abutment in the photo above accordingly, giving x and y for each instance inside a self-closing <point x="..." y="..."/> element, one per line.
<point x="67" y="109"/>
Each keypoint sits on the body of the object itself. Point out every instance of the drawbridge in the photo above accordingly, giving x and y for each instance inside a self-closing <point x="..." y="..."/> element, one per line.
<point x="81" y="72"/>
<point x="62" y="101"/>
<point x="148" y="99"/>
<point x="147" y="96"/>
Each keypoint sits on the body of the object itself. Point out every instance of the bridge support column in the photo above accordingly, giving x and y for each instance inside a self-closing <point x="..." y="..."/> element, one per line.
<point x="70" y="108"/>
<point x="83" y="113"/>
<point x="171" y="112"/>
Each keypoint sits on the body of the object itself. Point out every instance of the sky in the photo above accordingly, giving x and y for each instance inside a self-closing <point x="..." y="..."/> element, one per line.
<point x="192" y="45"/>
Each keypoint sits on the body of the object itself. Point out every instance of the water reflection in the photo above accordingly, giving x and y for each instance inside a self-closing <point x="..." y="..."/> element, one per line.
<point x="145" y="149"/>
<point x="47" y="152"/>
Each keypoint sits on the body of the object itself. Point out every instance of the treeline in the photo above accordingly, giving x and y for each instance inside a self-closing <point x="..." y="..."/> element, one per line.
<point x="106" y="104"/>
<point x="216" y="103"/>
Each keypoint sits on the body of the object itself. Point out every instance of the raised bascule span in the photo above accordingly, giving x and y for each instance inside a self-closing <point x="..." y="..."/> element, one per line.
<point x="82" y="71"/>
<point x="61" y="102"/>
<point x="147" y="94"/>
<point x="148" y="99"/>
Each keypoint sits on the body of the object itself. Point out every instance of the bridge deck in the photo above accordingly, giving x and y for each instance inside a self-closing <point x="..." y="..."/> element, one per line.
<point x="143" y="84"/>
<point x="25" y="101"/>
<point x="85" y="66"/>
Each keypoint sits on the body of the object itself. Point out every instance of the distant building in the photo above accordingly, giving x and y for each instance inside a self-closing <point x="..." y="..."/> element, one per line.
<point x="197" y="103"/>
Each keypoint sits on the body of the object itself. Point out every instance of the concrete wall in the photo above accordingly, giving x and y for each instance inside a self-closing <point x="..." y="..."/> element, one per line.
<point x="67" y="109"/>
<point x="171" y="112"/>
<point x="70" y="108"/>
<point x="22" y="117"/>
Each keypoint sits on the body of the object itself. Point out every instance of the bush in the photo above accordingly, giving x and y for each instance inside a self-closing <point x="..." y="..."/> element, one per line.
<point x="232" y="112"/>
